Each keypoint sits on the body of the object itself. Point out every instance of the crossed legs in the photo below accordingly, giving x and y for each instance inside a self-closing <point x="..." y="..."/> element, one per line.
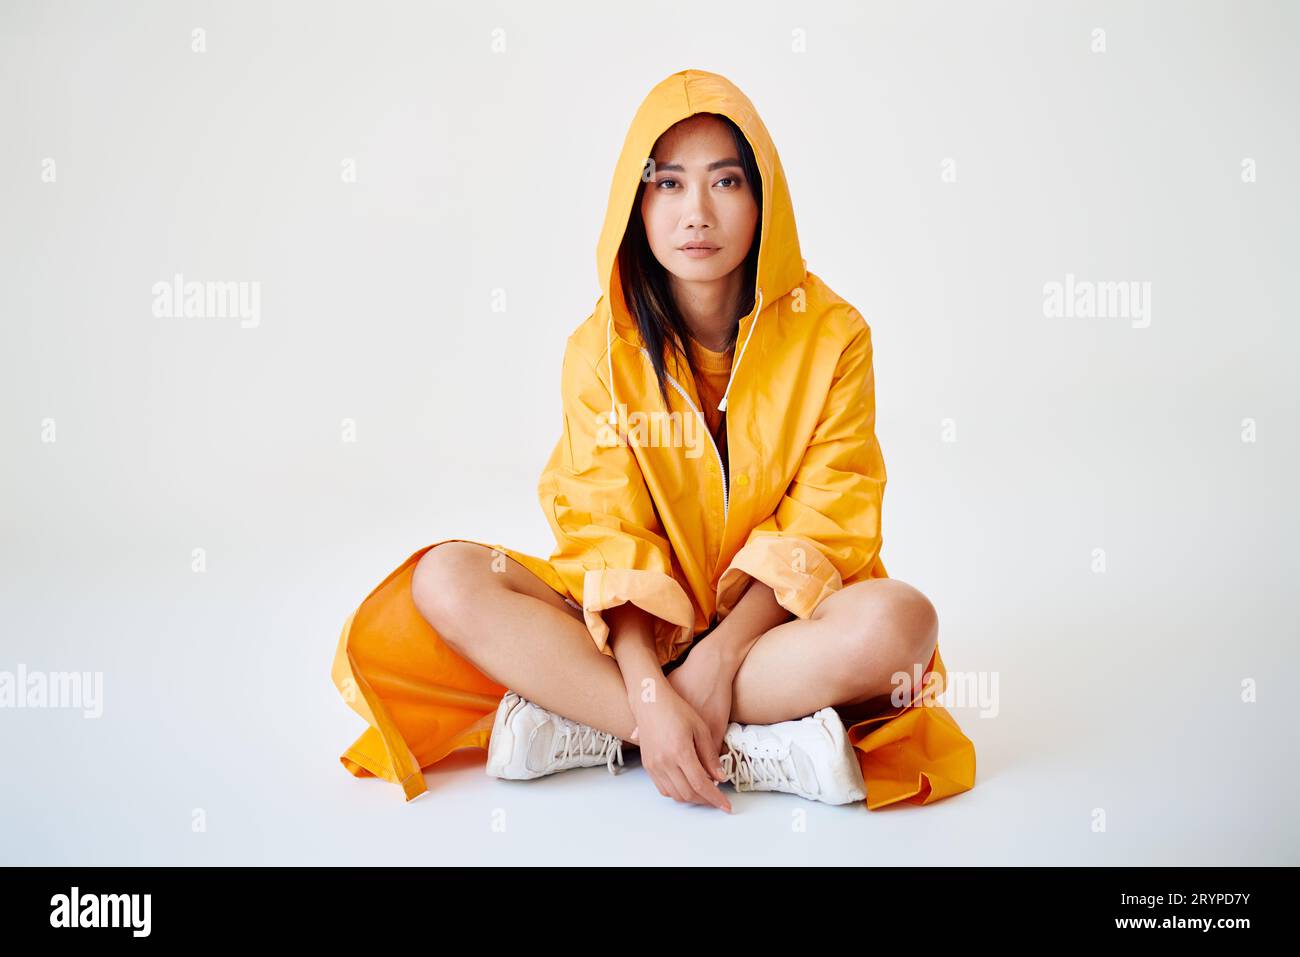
<point x="516" y="630"/>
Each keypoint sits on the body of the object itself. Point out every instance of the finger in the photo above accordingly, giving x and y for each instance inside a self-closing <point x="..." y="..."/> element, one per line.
<point x="667" y="786"/>
<point x="712" y="765"/>
<point x="718" y="748"/>
<point x="683" y="786"/>
<point x="703" y="785"/>
<point x="708" y="750"/>
<point x="707" y="790"/>
<point x="664" y="788"/>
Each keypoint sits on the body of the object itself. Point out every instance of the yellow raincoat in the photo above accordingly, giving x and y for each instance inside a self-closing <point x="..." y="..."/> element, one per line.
<point x="658" y="523"/>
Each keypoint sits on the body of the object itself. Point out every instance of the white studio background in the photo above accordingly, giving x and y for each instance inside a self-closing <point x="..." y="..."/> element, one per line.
<point x="382" y="171"/>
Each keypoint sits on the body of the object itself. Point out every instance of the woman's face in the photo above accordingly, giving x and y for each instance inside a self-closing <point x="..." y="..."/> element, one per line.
<point x="697" y="193"/>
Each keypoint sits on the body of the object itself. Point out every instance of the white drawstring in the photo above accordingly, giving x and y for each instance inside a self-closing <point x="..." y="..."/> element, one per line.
<point x="722" y="406"/>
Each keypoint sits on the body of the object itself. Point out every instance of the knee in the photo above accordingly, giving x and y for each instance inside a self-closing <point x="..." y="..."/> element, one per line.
<point x="902" y="625"/>
<point x="444" y="582"/>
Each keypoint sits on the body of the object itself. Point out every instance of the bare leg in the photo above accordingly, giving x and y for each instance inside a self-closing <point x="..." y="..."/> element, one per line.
<point x="844" y="655"/>
<point x="516" y="630"/>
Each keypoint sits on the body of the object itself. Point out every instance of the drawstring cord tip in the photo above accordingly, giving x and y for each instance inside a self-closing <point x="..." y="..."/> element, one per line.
<point x="758" y="308"/>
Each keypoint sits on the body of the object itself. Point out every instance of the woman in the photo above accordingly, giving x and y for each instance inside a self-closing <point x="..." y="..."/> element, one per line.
<point x="716" y="595"/>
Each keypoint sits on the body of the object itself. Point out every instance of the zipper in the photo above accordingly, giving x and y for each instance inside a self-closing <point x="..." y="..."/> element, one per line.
<point x="705" y="426"/>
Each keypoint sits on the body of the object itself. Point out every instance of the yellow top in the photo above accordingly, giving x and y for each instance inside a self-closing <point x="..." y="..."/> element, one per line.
<point x="714" y="369"/>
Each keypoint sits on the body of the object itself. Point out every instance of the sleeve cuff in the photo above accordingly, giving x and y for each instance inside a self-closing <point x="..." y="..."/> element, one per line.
<point x="797" y="571"/>
<point x="651" y="591"/>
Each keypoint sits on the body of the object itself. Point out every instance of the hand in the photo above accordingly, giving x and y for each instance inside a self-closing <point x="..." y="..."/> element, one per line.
<point x="676" y="750"/>
<point x="704" y="681"/>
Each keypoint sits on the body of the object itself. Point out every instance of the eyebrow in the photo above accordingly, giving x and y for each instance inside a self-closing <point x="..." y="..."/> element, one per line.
<point x="716" y="164"/>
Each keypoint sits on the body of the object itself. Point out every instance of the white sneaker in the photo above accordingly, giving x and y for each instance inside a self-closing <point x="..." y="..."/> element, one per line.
<point x="810" y="757"/>
<point x="528" y="742"/>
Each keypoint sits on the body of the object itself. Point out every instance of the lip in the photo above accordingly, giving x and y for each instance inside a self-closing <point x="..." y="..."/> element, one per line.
<point x="699" y="250"/>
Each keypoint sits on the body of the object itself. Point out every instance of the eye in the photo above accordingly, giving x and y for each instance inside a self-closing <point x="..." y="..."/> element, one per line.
<point x="666" y="179"/>
<point x="730" y="179"/>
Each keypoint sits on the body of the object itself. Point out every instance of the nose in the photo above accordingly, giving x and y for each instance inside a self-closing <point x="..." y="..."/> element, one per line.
<point x="697" y="210"/>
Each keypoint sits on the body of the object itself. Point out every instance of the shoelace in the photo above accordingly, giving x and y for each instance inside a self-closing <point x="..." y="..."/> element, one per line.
<point x="743" y="769"/>
<point x="580" y="739"/>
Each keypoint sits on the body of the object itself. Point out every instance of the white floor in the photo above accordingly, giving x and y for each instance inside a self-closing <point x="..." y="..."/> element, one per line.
<point x="217" y="709"/>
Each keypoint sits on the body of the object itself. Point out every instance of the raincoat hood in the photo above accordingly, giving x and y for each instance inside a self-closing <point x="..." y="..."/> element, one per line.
<point x="781" y="266"/>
